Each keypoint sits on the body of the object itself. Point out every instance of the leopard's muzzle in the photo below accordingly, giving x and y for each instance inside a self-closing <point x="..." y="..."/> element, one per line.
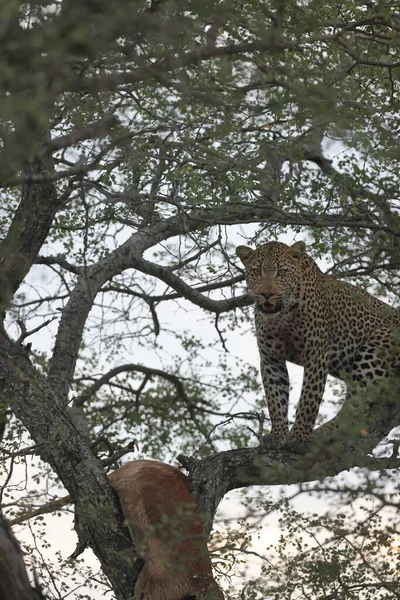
<point x="267" y="308"/>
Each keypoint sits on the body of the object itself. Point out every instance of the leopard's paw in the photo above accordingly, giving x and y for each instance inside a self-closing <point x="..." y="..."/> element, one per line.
<point x="297" y="444"/>
<point x="273" y="440"/>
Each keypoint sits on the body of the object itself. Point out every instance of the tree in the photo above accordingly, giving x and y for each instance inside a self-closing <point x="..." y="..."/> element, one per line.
<point x="137" y="139"/>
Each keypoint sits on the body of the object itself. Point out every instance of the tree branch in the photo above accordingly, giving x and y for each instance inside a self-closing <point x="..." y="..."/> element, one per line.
<point x="89" y="283"/>
<point x="185" y="290"/>
<point x="191" y="58"/>
<point x="135" y="368"/>
<point x="97" y="129"/>
<point x="28" y="231"/>
<point x="345" y="442"/>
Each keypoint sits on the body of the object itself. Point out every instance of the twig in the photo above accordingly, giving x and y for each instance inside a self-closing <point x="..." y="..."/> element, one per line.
<point x="50" y="507"/>
<point x="24" y="452"/>
<point x="221" y="337"/>
<point x="25" y="333"/>
<point x="244" y="415"/>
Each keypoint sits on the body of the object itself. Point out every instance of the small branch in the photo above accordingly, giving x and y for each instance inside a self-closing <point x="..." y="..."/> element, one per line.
<point x="90" y="131"/>
<point x="25" y="333"/>
<point x="59" y="260"/>
<point x="229" y="419"/>
<point x="120" y="452"/>
<point x="217" y="285"/>
<point x="195" y="256"/>
<point x="154" y="315"/>
<point x="80" y="400"/>
<point x="35" y="449"/>
<point x="50" y="507"/>
<point x="221" y="337"/>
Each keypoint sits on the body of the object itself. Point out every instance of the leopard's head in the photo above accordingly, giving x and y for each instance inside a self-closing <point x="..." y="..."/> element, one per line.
<point x="273" y="273"/>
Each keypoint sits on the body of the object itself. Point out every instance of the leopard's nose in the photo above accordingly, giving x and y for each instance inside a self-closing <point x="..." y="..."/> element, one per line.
<point x="266" y="294"/>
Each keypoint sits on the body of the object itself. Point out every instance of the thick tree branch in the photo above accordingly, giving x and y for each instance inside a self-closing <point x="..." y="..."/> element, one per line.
<point x="62" y="364"/>
<point x="185" y="290"/>
<point x="345" y="442"/>
<point x="27" y="232"/>
<point x="191" y="58"/>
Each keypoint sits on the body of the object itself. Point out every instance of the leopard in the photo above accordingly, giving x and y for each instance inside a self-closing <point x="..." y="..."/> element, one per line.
<point x="325" y="325"/>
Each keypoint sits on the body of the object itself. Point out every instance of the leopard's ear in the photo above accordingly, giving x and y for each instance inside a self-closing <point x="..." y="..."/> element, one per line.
<point x="297" y="250"/>
<point x="244" y="253"/>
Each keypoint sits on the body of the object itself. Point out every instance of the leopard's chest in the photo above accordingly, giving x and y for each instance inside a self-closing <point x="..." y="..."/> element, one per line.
<point x="282" y="337"/>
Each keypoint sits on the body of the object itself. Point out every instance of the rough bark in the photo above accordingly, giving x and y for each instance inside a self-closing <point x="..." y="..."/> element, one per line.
<point x="28" y="231"/>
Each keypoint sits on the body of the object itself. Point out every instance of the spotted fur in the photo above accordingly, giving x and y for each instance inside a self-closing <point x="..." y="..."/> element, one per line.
<point x="326" y="326"/>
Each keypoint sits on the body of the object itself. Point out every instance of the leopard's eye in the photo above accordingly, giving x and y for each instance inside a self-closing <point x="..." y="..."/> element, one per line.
<point x="255" y="269"/>
<point x="282" y="271"/>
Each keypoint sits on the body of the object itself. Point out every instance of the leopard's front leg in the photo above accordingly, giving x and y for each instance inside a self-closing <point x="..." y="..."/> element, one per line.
<point x="275" y="380"/>
<point x="314" y="380"/>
